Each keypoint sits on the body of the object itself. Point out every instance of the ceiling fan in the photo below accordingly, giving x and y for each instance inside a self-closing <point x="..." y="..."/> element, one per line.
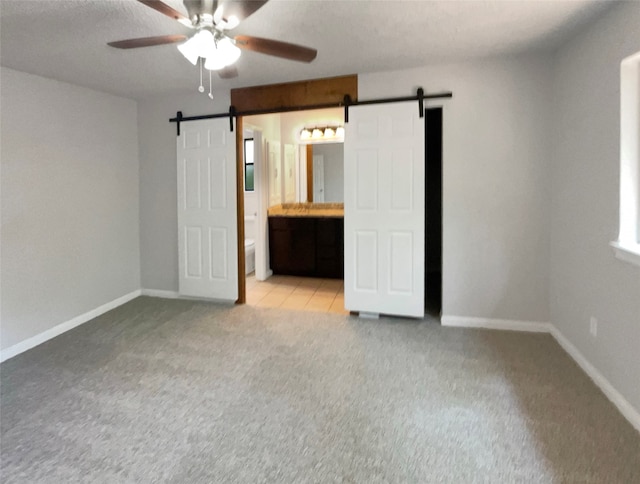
<point x="211" y="42"/>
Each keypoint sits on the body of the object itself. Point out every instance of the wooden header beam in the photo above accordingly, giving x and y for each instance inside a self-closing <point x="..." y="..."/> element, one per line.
<point x="300" y="94"/>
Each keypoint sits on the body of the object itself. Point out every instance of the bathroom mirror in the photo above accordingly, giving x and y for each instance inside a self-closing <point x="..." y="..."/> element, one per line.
<point x="297" y="170"/>
<point x="325" y="172"/>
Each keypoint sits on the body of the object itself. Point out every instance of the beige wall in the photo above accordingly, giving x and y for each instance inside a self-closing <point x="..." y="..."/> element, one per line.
<point x="70" y="219"/>
<point x="158" y="183"/>
<point x="495" y="181"/>
<point x="586" y="279"/>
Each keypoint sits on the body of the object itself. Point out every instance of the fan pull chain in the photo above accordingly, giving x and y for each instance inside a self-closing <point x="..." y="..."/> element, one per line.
<point x="210" y="87"/>
<point x="201" y="87"/>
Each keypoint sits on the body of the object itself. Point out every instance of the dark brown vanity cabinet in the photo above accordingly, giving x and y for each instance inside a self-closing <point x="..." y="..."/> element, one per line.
<point x="330" y="247"/>
<point x="292" y="245"/>
<point x="307" y="246"/>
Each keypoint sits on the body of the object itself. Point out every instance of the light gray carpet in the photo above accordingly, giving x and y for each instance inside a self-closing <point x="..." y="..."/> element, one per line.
<point x="182" y="392"/>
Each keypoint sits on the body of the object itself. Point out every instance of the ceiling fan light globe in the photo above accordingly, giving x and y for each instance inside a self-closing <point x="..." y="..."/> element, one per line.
<point x="228" y="51"/>
<point x="214" y="63"/>
<point x="204" y="42"/>
<point x="189" y="50"/>
<point x="232" y="22"/>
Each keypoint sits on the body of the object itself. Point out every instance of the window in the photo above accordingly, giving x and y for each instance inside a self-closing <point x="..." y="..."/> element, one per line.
<point x="248" y="165"/>
<point x="627" y="246"/>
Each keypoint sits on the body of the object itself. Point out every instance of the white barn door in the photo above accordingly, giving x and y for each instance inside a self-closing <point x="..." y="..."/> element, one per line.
<point x="384" y="210"/>
<point x="207" y="221"/>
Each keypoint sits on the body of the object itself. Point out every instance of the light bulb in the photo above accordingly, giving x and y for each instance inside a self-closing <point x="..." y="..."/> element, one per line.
<point x="316" y="133"/>
<point x="329" y="133"/>
<point x="340" y="132"/>
<point x="305" y="134"/>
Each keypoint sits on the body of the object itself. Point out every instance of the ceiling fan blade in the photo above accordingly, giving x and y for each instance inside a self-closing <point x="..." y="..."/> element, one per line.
<point x="240" y="9"/>
<point x="165" y="9"/>
<point x="147" y="41"/>
<point x="276" y="48"/>
<point x="228" y="72"/>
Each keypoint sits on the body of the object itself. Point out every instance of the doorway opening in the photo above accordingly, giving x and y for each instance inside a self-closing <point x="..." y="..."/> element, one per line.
<point x="433" y="212"/>
<point x="293" y="262"/>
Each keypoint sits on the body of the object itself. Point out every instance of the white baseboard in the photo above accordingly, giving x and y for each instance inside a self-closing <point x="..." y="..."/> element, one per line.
<point x="622" y="404"/>
<point x="502" y="324"/>
<point x="268" y="274"/>
<point x="29" y="343"/>
<point x="161" y="293"/>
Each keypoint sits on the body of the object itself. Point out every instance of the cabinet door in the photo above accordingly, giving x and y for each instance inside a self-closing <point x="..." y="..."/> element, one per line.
<point x="329" y="247"/>
<point x="303" y="246"/>
<point x="279" y="245"/>
<point x="292" y="245"/>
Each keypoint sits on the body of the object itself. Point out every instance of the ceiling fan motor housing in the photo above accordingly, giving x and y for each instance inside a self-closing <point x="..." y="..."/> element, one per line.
<point x="197" y="9"/>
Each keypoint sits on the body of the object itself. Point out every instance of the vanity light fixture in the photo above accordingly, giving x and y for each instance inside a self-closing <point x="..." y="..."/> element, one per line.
<point x="322" y="133"/>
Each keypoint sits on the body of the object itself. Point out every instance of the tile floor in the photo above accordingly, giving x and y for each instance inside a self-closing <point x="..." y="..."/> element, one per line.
<point x="298" y="293"/>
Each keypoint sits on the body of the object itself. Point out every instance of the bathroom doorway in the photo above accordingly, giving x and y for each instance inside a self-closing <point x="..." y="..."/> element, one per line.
<point x="279" y="173"/>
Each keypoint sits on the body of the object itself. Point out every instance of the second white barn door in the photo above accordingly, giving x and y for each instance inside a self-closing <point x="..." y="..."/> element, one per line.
<point x="207" y="219"/>
<point x="384" y="210"/>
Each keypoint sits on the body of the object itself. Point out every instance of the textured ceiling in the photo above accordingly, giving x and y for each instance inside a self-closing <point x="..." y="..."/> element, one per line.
<point x="66" y="39"/>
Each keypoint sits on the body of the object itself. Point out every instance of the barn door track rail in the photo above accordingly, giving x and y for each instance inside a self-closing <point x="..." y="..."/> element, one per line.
<point x="346" y="103"/>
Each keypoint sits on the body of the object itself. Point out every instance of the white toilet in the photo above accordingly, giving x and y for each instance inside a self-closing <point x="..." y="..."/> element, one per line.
<point x="249" y="244"/>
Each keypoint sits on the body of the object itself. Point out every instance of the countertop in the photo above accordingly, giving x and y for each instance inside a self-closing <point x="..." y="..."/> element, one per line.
<point x="307" y="210"/>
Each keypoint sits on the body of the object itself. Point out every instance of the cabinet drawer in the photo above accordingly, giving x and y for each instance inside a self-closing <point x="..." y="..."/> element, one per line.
<point x="279" y="223"/>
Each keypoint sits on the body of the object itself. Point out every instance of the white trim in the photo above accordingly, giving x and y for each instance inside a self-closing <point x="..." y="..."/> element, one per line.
<point x="502" y="324"/>
<point x="269" y="273"/>
<point x="626" y="253"/>
<point x="622" y="404"/>
<point x="161" y="293"/>
<point x="38" y="339"/>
